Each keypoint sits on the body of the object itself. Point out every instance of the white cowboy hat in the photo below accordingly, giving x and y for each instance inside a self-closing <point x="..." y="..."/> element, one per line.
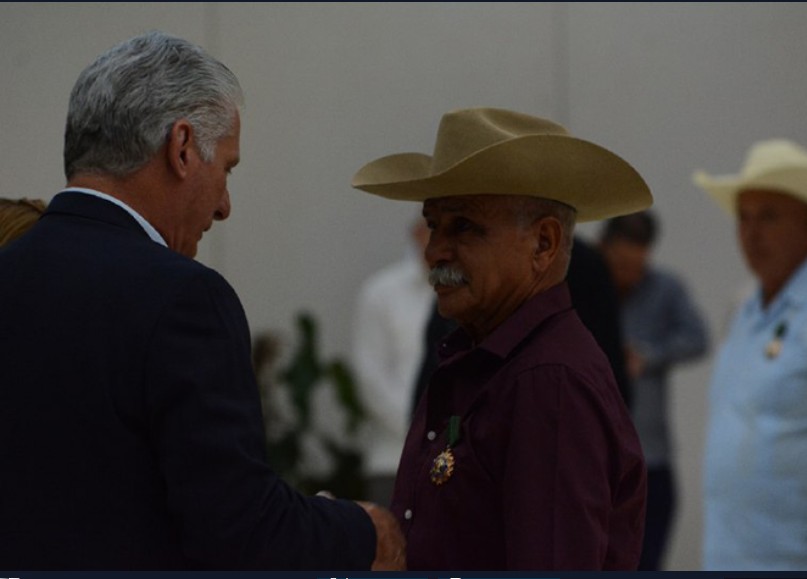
<point x="495" y="151"/>
<point x="775" y="164"/>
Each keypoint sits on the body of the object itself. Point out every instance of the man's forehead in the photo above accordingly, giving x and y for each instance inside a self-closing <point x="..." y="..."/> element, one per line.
<point x="769" y="197"/>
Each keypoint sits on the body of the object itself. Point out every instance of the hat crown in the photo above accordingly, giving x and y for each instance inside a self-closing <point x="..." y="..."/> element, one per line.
<point x="774" y="164"/>
<point x="773" y="155"/>
<point x="465" y="132"/>
<point x="491" y="151"/>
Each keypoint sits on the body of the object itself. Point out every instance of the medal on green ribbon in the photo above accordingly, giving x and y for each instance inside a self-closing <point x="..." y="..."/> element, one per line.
<point x="443" y="465"/>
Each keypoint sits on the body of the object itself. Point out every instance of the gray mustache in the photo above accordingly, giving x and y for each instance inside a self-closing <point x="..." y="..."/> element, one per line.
<point x="447" y="275"/>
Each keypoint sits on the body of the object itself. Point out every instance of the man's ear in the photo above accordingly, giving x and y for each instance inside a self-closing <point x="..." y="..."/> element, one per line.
<point x="547" y="233"/>
<point x="180" y="147"/>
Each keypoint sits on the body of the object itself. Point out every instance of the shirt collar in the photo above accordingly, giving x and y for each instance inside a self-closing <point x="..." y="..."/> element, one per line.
<point x="792" y="294"/>
<point x="515" y="329"/>
<point x="147" y="227"/>
<point x="795" y="290"/>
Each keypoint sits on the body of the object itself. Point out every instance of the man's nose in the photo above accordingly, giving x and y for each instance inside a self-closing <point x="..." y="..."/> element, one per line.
<point x="223" y="210"/>
<point x="438" y="249"/>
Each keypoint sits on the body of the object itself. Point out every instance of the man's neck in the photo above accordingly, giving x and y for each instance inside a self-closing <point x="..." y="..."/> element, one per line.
<point x="135" y="191"/>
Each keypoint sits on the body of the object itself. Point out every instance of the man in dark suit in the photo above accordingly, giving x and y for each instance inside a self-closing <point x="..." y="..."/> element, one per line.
<point x="130" y="423"/>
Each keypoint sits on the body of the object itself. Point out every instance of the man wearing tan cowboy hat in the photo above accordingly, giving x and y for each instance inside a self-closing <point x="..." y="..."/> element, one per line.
<point x="756" y="452"/>
<point x="521" y="454"/>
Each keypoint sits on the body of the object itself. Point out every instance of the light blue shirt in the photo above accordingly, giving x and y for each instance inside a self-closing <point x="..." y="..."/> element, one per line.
<point x="147" y="227"/>
<point x="756" y="452"/>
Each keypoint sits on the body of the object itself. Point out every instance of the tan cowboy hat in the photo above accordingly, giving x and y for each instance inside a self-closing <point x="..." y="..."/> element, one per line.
<point x="775" y="164"/>
<point x="496" y="151"/>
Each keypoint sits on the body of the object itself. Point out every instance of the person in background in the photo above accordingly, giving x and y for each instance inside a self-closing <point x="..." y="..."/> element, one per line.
<point x="521" y="454"/>
<point x="663" y="328"/>
<point x="391" y="313"/>
<point x="754" y="473"/>
<point x="130" y="420"/>
<point x="17" y="216"/>
<point x="595" y="300"/>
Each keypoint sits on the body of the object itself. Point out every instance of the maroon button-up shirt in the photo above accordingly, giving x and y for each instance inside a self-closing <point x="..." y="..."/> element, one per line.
<point x="548" y="471"/>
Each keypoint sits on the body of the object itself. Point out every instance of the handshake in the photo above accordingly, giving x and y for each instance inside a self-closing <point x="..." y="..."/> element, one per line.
<point x="390" y="550"/>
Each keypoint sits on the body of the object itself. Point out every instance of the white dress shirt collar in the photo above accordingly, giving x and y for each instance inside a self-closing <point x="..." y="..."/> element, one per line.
<point x="147" y="227"/>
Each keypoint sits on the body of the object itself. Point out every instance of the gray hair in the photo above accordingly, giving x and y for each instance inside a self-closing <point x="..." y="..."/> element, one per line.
<point x="124" y="104"/>
<point x="527" y="209"/>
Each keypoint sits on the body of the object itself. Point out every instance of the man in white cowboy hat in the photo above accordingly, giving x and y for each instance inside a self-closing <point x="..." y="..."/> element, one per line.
<point x="521" y="454"/>
<point x="755" y="469"/>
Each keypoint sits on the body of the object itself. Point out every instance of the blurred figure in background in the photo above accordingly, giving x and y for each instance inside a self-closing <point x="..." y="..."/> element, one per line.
<point x="17" y="216"/>
<point x="756" y="452"/>
<point x="663" y="327"/>
<point x="596" y="301"/>
<point x="392" y="311"/>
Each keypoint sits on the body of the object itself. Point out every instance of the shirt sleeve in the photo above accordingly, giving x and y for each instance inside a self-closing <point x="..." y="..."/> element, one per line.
<point x="686" y="336"/>
<point x="205" y="425"/>
<point x="573" y="483"/>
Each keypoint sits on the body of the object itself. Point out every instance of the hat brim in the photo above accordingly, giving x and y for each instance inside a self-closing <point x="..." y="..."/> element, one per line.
<point x="725" y="188"/>
<point x="593" y="180"/>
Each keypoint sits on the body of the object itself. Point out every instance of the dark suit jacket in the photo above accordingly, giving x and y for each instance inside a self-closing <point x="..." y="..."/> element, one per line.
<point x="131" y="434"/>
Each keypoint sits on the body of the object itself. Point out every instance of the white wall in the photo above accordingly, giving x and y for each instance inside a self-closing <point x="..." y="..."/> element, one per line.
<point x="671" y="87"/>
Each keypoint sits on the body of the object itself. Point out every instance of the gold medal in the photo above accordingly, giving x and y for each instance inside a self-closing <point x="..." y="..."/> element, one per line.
<point x="442" y="467"/>
<point x="443" y="464"/>
<point x="773" y="348"/>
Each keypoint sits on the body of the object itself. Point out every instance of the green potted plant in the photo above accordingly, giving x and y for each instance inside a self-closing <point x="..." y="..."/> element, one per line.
<point x="312" y="413"/>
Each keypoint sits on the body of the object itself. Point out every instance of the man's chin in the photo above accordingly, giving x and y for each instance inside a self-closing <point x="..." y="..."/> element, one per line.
<point x="448" y="303"/>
